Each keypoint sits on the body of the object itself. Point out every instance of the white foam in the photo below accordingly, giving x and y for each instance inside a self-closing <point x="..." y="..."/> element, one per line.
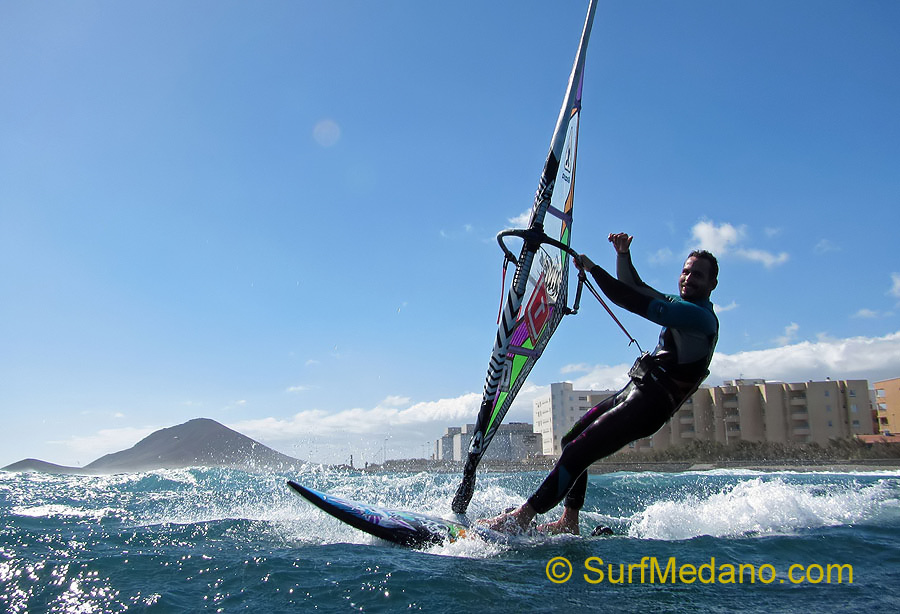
<point x="58" y="510"/>
<point x="760" y="506"/>
<point x="470" y="548"/>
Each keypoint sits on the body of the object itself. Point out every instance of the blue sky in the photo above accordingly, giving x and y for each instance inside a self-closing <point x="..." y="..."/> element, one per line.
<point x="281" y="215"/>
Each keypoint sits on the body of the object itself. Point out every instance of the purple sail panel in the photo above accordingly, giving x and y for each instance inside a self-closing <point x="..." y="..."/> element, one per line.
<point x="520" y="336"/>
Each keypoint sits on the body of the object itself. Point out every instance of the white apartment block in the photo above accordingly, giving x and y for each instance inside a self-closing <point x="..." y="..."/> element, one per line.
<point x="556" y="414"/>
<point x="739" y="410"/>
<point x="512" y="442"/>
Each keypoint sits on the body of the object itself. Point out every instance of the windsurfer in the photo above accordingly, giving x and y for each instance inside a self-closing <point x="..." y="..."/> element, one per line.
<point x="660" y="382"/>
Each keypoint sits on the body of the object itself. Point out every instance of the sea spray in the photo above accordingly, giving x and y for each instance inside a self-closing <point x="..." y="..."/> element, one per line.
<point x="760" y="506"/>
<point x="210" y="539"/>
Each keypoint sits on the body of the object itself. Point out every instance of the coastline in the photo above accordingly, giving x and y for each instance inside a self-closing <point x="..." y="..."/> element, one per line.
<point x="612" y="466"/>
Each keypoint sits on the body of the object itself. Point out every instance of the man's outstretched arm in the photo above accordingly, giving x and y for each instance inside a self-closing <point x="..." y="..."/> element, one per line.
<point x="661" y="310"/>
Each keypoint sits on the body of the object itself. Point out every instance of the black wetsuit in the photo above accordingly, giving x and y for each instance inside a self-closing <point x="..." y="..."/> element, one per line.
<point x="670" y="374"/>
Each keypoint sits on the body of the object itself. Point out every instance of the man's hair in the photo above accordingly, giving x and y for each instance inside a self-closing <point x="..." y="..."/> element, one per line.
<point x="705" y="255"/>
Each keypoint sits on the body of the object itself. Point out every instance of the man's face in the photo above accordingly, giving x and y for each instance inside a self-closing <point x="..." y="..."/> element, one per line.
<point x="696" y="281"/>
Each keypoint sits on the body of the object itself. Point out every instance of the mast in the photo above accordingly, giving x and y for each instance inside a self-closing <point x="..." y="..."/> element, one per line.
<point x="522" y="335"/>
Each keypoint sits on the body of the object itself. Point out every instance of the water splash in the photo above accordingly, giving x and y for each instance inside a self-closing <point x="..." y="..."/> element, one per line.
<point x="761" y="506"/>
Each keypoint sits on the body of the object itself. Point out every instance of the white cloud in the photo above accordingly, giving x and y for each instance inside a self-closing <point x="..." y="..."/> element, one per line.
<point x="895" y="287"/>
<point x="521" y="220"/>
<point x="331" y="437"/>
<point x="726" y="238"/>
<point x="866" y="314"/>
<point x="293" y="389"/>
<point x="603" y="377"/>
<point x="767" y="259"/>
<point x="790" y="334"/>
<point x="576" y="368"/>
<point x="824" y="246"/>
<point x="106" y="441"/>
<point x="723" y="308"/>
<point x="398" y="428"/>
<point x="661" y="256"/>
<point x="717" y="239"/>
<point x="872" y="358"/>
<point x="394" y="401"/>
<point x="387" y="416"/>
<point x="464" y="231"/>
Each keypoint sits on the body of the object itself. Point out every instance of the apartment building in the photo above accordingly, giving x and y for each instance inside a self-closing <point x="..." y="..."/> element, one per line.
<point x="554" y="415"/>
<point x="740" y="410"/>
<point x="512" y="442"/>
<point x="887" y="406"/>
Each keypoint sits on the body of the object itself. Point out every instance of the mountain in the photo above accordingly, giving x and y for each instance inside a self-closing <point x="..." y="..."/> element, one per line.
<point x="33" y="464"/>
<point x="197" y="443"/>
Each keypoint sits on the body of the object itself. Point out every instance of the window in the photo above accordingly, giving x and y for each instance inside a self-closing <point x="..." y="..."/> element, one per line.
<point x="852" y="393"/>
<point x="853" y="408"/>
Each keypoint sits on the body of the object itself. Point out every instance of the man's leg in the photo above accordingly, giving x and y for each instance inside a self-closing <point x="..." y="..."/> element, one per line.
<point x="639" y="414"/>
<point x="525" y="513"/>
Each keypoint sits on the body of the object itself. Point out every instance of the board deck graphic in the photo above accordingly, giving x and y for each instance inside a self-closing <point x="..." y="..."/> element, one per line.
<point x="401" y="527"/>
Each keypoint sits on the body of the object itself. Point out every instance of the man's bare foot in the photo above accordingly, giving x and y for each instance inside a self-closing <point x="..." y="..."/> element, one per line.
<point x="567" y="523"/>
<point x="558" y="527"/>
<point x="505" y="523"/>
<point x="510" y="522"/>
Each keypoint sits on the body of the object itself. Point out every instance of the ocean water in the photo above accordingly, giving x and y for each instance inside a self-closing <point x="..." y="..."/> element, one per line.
<point x="224" y="540"/>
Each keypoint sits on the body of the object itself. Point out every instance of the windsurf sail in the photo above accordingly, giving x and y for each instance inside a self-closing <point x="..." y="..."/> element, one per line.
<point x="537" y="298"/>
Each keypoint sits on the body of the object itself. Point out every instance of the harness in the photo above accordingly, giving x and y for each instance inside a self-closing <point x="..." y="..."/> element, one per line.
<point x="646" y="372"/>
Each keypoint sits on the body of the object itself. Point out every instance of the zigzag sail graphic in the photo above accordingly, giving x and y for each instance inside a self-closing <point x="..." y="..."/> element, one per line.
<point x="537" y="297"/>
